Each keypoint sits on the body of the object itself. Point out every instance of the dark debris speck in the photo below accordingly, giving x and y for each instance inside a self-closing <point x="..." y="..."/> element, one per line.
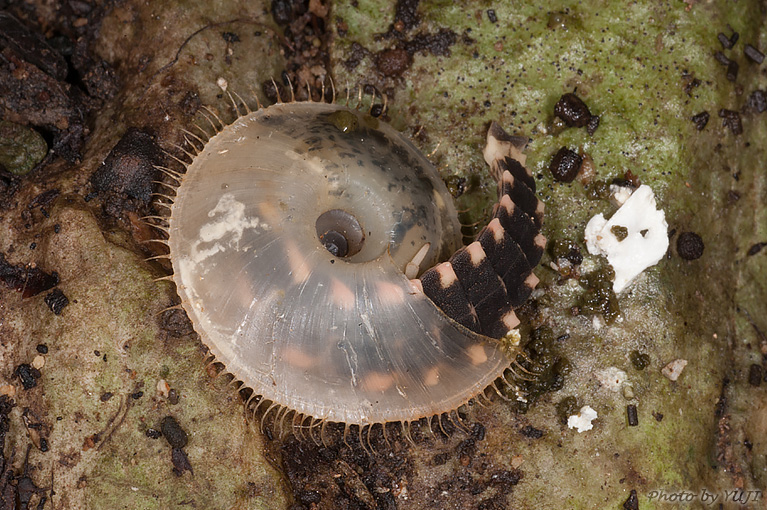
<point x="572" y="110"/>
<point x="492" y="16"/>
<point x="28" y="375"/>
<point x="757" y="101"/>
<point x="700" y="120"/>
<point x="632" y="502"/>
<point x="755" y="375"/>
<point x="631" y="415"/>
<point x="689" y="245"/>
<point x="753" y="54"/>
<point x="565" y="165"/>
<point x="756" y="248"/>
<point x="732" y="70"/>
<point x="174" y="434"/>
<point x="531" y="432"/>
<point x="56" y="301"/>
<point x="42" y="348"/>
<point x="731" y="120"/>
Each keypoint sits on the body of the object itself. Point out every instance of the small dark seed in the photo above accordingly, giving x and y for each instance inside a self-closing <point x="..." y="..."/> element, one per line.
<point x="28" y="375"/>
<point x="565" y="165"/>
<point x="532" y="432"/>
<point x="753" y="54"/>
<point x="721" y="58"/>
<point x="732" y="70"/>
<point x="42" y="348"/>
<point x="173" y="432"/>
<point x="572" y="110"/>
<point x="640" y="360"/>
<point x="757" y="101"/>
<point x="700" y="120"/>
<point x="731" y="119"/>
<point x="726" y="44"/>
<point x="137" y="395"/>
<point x="491" y="16"/>
<point x="756" y="248"/>
<point x="56" y="301"/>
<point x="689" y="245"/>
<point x="755" y="375"/>
<point x="593" y="124"/>
<point x="657" y="416"/>
<point x="631" y="414"/>
<point x="106" y="396"/>
<point x="632" y="503"/>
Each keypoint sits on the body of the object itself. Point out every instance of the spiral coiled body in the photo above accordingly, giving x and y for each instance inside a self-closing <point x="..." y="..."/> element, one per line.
<point x="290" y="236"/>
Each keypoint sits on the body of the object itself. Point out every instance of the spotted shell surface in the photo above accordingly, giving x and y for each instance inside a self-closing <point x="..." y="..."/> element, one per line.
<point x="346" y="339"/>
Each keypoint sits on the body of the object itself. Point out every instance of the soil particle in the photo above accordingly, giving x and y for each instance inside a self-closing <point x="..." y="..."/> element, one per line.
<point x="756" y="248"/>
<point x="30" y="96"/>
<point x="176" y="322"/>
<point x="753" y="54"/>
<point x="28" y="375"/>
<point x="356" y="55"/>
<point x="755" y="375"/>
<point x="30" y="281"/>
<point x="632" y="503"/>
<point x="572" y="110"/>
<point x="437" y="44"/>
<point x="125" y="177"/>
<point x="174" y="434"/>
<point x="531" y="432"/>
<point x="731" y="120"/>
<point x="56" y="301"/>
<point x="180" y="462"/>
<point x="393" y="63"/>
<point x="757" y="101"/>
<point x="42" y="348"/>
<point x="565" y="165"/>
<point x="405" y="16"/>
<point x="689" y="246"/>
<point x="700" y="120"/>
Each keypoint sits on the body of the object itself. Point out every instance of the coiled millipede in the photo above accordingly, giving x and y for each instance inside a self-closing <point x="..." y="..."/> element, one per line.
<point x="297" y="235"/>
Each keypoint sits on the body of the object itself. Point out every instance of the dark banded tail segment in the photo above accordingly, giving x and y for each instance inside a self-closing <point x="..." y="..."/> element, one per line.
<point x="483" y="283"/>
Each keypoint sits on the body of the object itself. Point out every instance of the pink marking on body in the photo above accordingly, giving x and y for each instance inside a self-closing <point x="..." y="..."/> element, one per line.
<point x="540" y="241"/>
<point x="431" y="377"/>
<point x="507" y="178"/>
<point x="447" y="276"/>
<point x="297" y="358"/>
<point x="342" y="295"/>
<point x="390" y="293"/>
<point x="376" y="381"/>
<point x="510" y="320"/>
<point x="476" y="253"/>
<point x="477" y="354"/>
<point x="496" y="229"/>
<point x="299" y="267"/>
<point x="416" y="286"/>
<point x="507" y="204"/>
<point x="532" y="280"/>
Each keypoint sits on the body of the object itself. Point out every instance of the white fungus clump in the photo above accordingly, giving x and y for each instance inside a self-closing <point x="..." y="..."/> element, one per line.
<point x="635" y="238"/>
<point x="582" y="420"/>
